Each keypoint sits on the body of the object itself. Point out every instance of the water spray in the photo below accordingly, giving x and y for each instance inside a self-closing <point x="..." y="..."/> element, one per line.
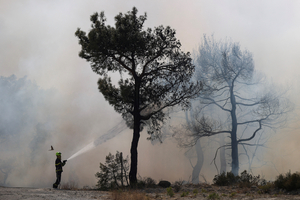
<point x="113" y="132"/>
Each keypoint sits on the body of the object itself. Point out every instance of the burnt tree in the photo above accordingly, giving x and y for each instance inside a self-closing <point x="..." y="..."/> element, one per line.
<point x="154" y="73"/>
<point x="233" y="89"/>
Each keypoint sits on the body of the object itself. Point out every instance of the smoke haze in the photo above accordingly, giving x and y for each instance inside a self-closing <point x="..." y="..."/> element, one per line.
<point x="65" y="109"/>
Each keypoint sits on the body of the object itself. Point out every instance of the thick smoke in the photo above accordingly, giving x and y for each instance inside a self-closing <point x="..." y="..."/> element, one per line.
<point x="25" y="131"/>
<point x="37" y="40"/>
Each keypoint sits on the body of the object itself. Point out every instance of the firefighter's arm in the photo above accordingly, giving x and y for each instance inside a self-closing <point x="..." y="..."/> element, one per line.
<point x="64" y="162"/>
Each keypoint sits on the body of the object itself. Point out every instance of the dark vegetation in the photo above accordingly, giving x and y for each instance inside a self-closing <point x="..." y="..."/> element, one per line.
<point x="244" y="180"/>
<point x="155" y="74"/>
<point x="288" y="182"/>
<point x="113" y="173"/>
<point x="111" y="178"/>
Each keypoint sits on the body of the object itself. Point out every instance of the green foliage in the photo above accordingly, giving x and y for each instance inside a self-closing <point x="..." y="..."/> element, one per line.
<point x="232" y="194"/>
<point x="244" y="180"/>
<point x="288" y="182"/>
<point x="184" y="194"/>
<point x="170" y="191"/>
<point x="213" y="196"/>
<point x="111" y="174"/>
<point x="195" y="191"/>
<point x="203" y="190"/>
<point x="157" y="72"/>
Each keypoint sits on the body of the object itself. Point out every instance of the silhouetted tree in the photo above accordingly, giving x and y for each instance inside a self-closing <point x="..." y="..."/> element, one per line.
<point x="230" y="86"/>
<point x="154" y="73"/>
<point x="113" y="173"/>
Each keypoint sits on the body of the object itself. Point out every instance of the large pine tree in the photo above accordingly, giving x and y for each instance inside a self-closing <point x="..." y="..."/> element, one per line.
<point x="155" y="73"/>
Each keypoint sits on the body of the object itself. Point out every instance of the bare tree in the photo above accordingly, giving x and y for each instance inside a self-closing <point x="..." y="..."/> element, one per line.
<point x="199" y="152"/>
<point x="187" y="137"/>
<point x="231" y="86"/>
<point x="6" y="167"/>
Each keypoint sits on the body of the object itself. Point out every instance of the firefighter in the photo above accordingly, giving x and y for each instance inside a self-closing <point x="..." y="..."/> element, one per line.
<point x="59" y="170"/>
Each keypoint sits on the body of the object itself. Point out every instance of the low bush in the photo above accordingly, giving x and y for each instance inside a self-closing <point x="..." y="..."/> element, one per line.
<point x="145" y="182"/>
<point x="184" y="194"/>
<point x="213" y="196"/>
<point x="288" y="181"/>
<point x="71" y="185"/>
<point x="266" y="188"/>
<point x="232" y="194"/>
<point x="203" y="190"/>
<point x="248" y="180"/>
<point x="178" y="186"/>
<point x="225" y="179"/>
<point x="244" y="180"/>
<point x="149" y="182"/>
<point x="195" y="191"/>
<point x="113" y="173"/>
<point x="170" y="191"/>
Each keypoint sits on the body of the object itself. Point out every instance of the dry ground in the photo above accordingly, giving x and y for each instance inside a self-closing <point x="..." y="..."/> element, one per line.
<point x="225" y="193"/>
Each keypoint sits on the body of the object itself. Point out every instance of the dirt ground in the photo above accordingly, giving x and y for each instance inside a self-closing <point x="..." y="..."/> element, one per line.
<point x="18" y="193"/>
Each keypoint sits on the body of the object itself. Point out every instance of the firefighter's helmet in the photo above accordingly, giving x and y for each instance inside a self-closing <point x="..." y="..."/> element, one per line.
<point x="58" y="154"/>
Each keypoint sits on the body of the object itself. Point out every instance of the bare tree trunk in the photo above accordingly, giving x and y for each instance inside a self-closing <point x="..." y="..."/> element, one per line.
<point x="222" y="155"/>
<point x="234" y="145"/>
<point x="199" y="164"/>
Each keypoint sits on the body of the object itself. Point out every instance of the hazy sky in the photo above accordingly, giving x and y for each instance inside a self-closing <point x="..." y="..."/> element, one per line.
<point x="37" y="40"/>
<point x="37" y="37"/>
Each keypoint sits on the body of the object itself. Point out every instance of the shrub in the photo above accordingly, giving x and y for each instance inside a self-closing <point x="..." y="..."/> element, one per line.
<point x="170" y="191"/>
<point x="232" y="194"/>
<point x="288" y="182"/>
<point x="213" y="196"/>
<point x="225" y="179"/>
<point x="203" y="190"/>
<point x="114" y="173"/>
<point x="145" y="182"/>
<point x="184" y="194"/>
<point x="149" y="182"/>
<point x="267" y="187"/>
<point x="178" y="186"/>
<point x="245" y="180"/>
<point x="71" y="185"/>
<point x="195" y="191"/>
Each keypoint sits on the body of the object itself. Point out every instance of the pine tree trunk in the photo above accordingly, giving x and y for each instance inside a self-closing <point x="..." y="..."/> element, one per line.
<point x="136" y="135"/>
<point x="134" y="157"/>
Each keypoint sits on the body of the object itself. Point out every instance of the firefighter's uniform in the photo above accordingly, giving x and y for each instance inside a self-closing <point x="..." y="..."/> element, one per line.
<point x="59" y="170"/>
